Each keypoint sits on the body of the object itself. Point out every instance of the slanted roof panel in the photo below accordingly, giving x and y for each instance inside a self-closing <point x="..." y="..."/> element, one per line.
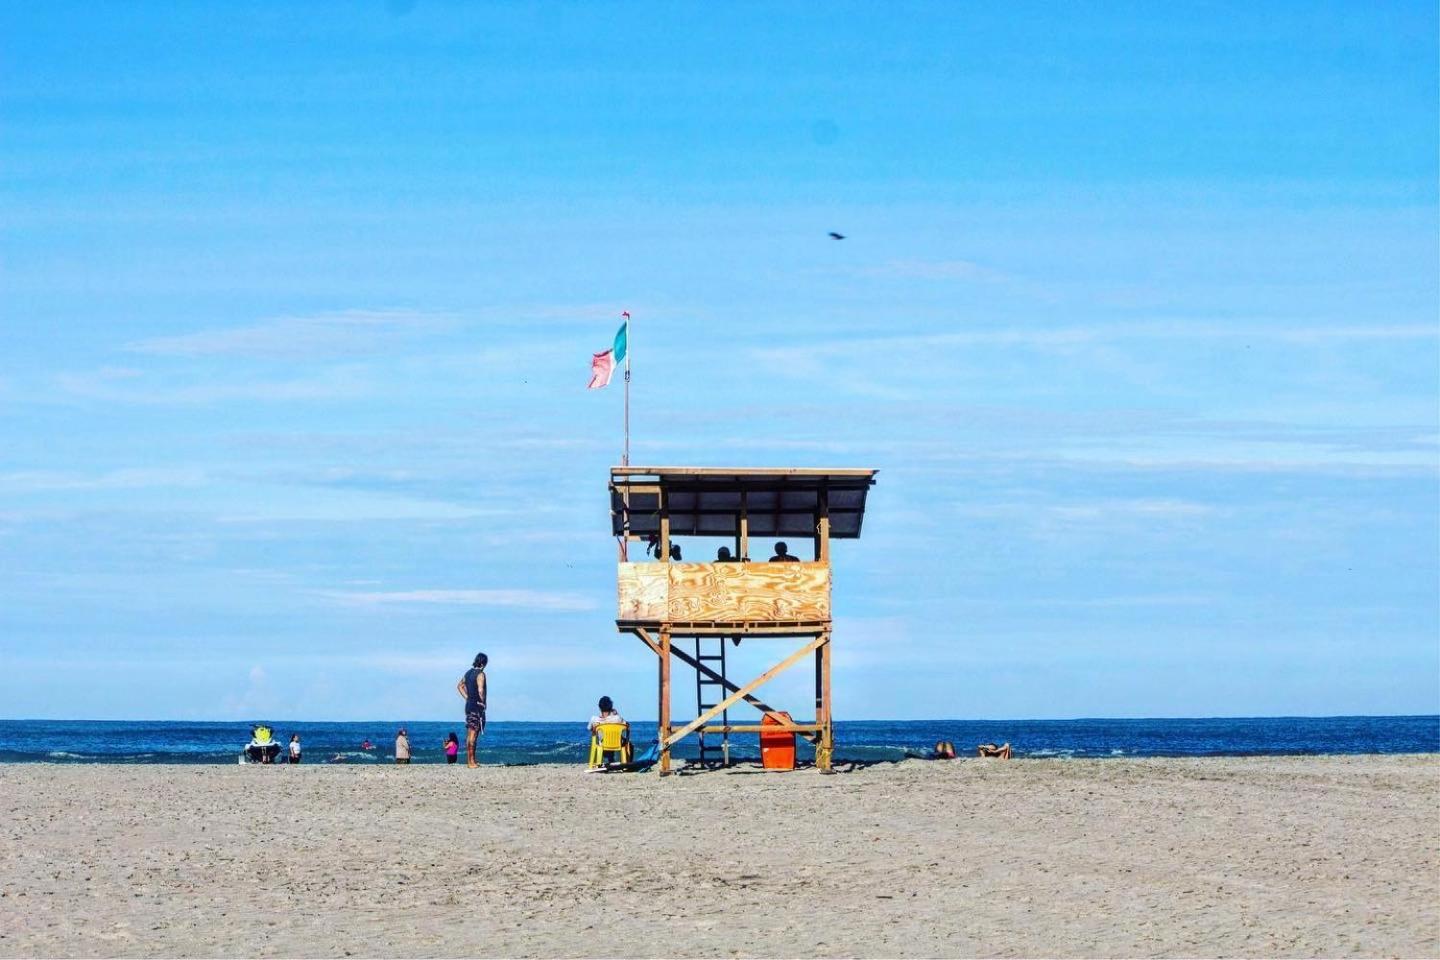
<point x="706" y="501"/>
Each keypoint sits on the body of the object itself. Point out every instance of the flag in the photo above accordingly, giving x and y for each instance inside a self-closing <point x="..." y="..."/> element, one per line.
<point x="622" y="337"/>
<point x="602" y="365"/>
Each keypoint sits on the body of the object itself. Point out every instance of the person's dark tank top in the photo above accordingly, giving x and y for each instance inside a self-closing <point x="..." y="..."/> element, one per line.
<point x="472" y="688"/>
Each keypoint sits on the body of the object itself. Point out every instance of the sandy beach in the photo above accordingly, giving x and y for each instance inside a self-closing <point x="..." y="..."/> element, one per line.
<point x="1331" y="856"/>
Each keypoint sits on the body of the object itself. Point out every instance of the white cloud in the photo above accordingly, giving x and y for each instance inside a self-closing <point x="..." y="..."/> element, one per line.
<point x="551" y="658"/>
<point x="938" y="270"/>
<point x="540" y="600"/>
<point x="802" y="357"/>
<point x="49" y="481"/>
<point x="131" y="386"/>
<point x="330" y="334"/>
<point x="1141" y="509"/>
<point x="261" y="503"/>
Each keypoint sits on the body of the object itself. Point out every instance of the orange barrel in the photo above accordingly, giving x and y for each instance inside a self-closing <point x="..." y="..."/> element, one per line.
<point x="777" y="747"/>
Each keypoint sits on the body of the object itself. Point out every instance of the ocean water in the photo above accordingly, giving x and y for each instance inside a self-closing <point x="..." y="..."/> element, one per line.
<point x="115" y="741"/>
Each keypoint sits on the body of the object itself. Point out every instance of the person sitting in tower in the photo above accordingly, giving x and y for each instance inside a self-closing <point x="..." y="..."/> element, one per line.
<point x="783" y="555"/>
<point x="723" y="555"/>
<point x="652" y="547"/>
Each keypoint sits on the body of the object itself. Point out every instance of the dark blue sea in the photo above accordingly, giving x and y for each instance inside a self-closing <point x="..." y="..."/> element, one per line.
<point x="114" y="741"/>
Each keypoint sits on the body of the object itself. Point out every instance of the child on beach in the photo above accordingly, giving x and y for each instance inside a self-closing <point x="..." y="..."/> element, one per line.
<point x="452" y="747"/>
<point x="294" y="748"/>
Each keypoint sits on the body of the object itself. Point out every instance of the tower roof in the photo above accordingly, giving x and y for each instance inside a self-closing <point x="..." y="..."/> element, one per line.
<point x="707" y="501"/>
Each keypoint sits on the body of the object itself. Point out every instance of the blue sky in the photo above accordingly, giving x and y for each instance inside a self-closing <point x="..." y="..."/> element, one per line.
<point x="1137" y="317"/>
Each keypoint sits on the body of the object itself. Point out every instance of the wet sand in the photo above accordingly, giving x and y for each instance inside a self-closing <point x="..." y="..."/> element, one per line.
<point x="1313" y="856"/>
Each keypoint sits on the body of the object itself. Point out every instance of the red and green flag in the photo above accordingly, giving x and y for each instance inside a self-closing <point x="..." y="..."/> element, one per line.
<point x="602" y="365"/>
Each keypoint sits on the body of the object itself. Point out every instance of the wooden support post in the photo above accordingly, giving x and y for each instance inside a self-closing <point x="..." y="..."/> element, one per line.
<point x="664" y="701"/>
<point x="725" y="704"/>
<point x="664" y="548"/>
<point x="819" y="685"/>
<point x="822" y="527"/>
<point x="825" y="749"/>
<point x="742" y="543"/>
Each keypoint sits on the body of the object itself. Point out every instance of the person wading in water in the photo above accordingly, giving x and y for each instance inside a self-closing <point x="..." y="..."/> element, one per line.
<point x="472" y="688"/>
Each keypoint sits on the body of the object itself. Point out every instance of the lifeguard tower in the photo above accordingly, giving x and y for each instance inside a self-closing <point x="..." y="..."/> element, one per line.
<point x="679" y="607"/>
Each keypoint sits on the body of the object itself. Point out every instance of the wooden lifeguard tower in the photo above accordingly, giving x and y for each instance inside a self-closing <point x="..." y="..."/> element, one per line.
<point x="671" y="605"/>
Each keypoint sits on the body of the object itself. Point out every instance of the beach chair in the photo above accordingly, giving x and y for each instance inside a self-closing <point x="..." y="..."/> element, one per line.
<point x="608" y="738"/>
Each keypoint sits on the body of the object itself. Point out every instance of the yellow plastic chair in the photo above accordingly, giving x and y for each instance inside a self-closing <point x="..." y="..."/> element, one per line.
<point x="608" y="738"/>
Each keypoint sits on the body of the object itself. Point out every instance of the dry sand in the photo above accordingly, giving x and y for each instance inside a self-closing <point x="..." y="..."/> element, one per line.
<point x="1269" y="856"/>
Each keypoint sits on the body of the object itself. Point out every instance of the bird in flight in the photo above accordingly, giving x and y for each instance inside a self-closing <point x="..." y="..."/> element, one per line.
<point x="836" y="236"/>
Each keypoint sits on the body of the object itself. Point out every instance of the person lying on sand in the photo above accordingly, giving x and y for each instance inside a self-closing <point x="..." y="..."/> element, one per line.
<point x="1001" y="752"/>
<point x="944" y="750"/>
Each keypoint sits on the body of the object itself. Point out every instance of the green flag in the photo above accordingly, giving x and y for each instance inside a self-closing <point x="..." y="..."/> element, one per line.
<point x="620" y="336"/>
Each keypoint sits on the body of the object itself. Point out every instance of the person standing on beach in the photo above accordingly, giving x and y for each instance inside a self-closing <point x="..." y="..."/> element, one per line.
<point x="294" y="748"/>
<point x="472" y="688"/>
<point x="402" y="747"/>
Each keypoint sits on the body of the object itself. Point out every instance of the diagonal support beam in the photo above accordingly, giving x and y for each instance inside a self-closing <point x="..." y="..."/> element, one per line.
<point x="740" y="694"/>
<point x="729" y="685"/>
<point x="644" y="634"/>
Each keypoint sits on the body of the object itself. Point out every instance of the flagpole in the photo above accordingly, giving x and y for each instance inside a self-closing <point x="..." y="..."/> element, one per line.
<point x="625" y="458"/>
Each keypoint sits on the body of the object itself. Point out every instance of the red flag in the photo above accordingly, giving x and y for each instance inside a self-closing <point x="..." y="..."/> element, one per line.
<point x="602" y="367"/>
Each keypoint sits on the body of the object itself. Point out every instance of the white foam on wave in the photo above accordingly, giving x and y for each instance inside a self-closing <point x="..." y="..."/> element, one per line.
<point x="348" y="755"/>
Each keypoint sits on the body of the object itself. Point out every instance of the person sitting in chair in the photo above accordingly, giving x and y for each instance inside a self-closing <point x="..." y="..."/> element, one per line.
<point x="783" y="555"/>
<point x="609" y="715"/>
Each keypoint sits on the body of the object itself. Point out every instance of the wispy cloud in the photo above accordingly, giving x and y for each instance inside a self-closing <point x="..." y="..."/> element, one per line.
<point x="344" y="333"/>
<point x="1069" y="336"/>
<point x="1092" y="511"/>
<point x="553" y="657"/>
<point x="263" y="503"/>
<point x="51" y="481"/>
<point x="537" y="600"/>
<point x="124" y="385"/>
<point x="938" y="270"/>
<point x="1141" y="509"/>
